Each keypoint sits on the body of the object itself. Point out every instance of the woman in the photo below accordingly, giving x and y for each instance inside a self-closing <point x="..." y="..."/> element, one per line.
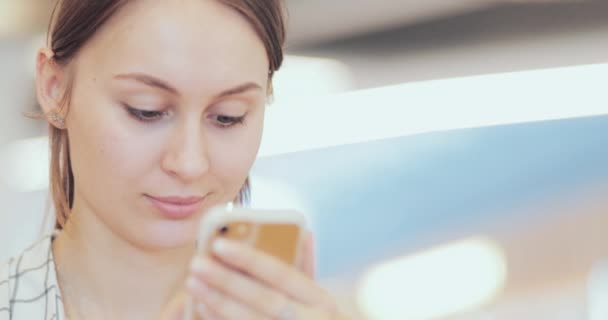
<point x="156" y="111"/>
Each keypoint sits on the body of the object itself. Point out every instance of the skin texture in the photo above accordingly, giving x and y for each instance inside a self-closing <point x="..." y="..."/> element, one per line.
<point x="163" y="104"/>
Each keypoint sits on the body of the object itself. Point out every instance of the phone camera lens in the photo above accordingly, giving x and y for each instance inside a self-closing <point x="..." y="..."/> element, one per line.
<point x="224" y="230"/>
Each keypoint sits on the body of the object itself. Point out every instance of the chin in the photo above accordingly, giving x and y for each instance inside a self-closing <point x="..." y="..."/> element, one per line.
<point x="169" y="234"/>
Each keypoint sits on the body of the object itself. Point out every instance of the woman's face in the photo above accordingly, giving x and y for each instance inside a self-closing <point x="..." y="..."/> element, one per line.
<point x="166" y="118"/>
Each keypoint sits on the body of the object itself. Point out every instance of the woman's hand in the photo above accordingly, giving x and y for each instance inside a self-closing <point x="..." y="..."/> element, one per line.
<point x="241" y="283"/>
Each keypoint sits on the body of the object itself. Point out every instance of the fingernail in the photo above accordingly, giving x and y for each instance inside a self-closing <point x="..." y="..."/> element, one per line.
<point x="219" y="246"/>
<point x="197" y="264"/>
<point x="197" y="286"/>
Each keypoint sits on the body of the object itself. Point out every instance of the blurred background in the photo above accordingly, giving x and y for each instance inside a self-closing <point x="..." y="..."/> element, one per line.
<point x="451" y="155"/>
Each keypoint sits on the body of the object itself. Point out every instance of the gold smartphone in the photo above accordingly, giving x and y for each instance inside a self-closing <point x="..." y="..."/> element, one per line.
<point x="279" y="233"/>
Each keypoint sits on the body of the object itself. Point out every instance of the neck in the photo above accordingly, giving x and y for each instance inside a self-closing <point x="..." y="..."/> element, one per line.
<point x="103" y="274"/>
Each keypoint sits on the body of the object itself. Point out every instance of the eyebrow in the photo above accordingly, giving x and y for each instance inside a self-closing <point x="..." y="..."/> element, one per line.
<point x="160" y="84"/>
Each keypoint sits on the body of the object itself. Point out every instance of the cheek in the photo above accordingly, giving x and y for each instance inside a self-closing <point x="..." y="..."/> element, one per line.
<point x="108" y="160"/>
<point x="121" y="157"/>
<point x="233" y="155"/>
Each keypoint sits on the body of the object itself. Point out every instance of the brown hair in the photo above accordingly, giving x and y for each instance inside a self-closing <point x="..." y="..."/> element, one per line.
<point x="74" y="22"/>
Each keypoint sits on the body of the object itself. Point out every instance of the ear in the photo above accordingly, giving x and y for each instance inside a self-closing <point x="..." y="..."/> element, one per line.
<point x="49" y="86"/>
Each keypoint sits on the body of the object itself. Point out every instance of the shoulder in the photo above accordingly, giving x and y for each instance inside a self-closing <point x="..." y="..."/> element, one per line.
<point x="26" y="277"/>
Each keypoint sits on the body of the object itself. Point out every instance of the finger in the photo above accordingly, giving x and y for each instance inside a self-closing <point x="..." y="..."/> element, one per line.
<point x="298" y="311"/>
<point x="271" y="271"/>
<point x="236" y="285"/>
<point x="204" y="313"/>
<point x="307" y="264"/>
<point x="215" y="304"/>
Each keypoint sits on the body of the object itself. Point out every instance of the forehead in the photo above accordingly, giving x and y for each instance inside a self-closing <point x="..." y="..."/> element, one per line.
<point x="194" y="44"/>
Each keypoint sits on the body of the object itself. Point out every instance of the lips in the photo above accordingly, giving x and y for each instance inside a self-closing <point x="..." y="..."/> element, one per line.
<point x="175" y="207"/>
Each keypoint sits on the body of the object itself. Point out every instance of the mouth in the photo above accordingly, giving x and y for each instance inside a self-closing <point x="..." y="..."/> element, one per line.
<point x="177" y="207"/>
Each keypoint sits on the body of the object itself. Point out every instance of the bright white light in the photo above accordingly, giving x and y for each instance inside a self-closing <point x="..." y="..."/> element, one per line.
<point x="25" y="164"/>
<point x="598" y="292"/>
<point x="436" y="105"/>
<point x="439" y="282"/>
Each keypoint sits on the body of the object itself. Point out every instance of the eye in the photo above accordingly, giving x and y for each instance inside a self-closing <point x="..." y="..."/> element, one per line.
<point x="146" y="115"/>
<point x="228" y="121"/>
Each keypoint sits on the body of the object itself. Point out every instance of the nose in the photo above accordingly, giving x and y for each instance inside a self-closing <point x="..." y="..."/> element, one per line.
<point x="187" y="156"/>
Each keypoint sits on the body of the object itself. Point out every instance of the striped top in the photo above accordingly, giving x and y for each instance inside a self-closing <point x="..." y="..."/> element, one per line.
<point x="28" y="285"/>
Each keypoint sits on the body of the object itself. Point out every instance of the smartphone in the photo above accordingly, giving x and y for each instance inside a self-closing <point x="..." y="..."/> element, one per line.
<point x="279" y="233"/>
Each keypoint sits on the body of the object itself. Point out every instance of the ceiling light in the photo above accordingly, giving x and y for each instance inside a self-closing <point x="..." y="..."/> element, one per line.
<point x="449" y="279"/>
